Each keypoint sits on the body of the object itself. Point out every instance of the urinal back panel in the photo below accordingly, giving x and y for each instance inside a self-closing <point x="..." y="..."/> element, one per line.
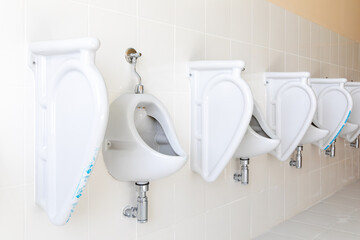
<point x="333" y="107"/>
<point x="290" y="106"/>
<point x="71" y="117"/>
<point x="221" y="108"/>
<point x="354" y="89"/>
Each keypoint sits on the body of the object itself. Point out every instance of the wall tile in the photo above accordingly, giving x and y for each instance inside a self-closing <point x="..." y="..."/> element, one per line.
<point x="125" y="6"/>
<point x="218" y="19"/>
<point x="13" y="214"/>
<point x="11" y="137"/>
<point x="334" y="58"/>
<point x="218" y="224"/>
<point x="304" y="37"/>
<point x="315" y="41"/>
<point x="156" y="67"/>
<point x="259" y="59"/>
<point x="62" y="19"/>
<point x="241" y="20"/>
<point x="190" y="14"/>
<point x="277" y="27"/>
<point x="158" y="10"/>
<point x="292" y="33"/>
<point x="241" y="51"/>
<point x="240" y="215"/>
<point x="291" y="63"/>
<point x="217" y="48"/>
<point x="191" y="229"/>
<point x="114" y="45"/>
<point x="277" y="61"/>
<point x="325" y="47"/>
<point x="260" y="22"/>
<point x="189" y="46"/>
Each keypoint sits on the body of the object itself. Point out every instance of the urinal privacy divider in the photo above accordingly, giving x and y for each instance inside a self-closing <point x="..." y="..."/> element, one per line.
<point x="354" y="89"/>
<point x="289" y="104"/>
<point x="334" y="106"/>
<point x="71" y="115"/>
<point x="221" y="109"/>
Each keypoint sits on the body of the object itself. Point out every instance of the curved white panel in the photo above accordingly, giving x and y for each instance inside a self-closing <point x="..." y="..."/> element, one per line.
<point x="334" y="107"/>
<point x="221" y="108"/>
<point x="354" y="89"/>
<point x="290" y="105"/>
<point x="71" y="117"/>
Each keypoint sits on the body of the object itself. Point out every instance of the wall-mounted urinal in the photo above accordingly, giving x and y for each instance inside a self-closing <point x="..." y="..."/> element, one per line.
<point x="71" y="117"/>
<point x="221" y="109"/>
<point x="140" y="143"/>
<point x="259" y="139"/>
<point x="334" y="105"/>
<point x="289" y="104"/>
<point x="354" y="89"/>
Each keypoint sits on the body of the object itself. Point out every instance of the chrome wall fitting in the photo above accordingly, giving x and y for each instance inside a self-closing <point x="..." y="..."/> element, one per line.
<point x="355" y="144"/>
<point x="131" y="56"/>
<point x="297" y="162"/>
<point x="243" y="176"/>
<point x="141" y="210"/>
<point x="331" y="150"/>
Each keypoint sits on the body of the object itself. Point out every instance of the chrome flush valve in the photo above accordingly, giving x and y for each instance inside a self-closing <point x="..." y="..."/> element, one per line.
<point x="355" y="144"/>
<point x="243" y="176"/>
<point x="297" y="162"/>
<point x="140" y="211"/>
<point x="131" y="56"/>
<point x="330" y="151"/>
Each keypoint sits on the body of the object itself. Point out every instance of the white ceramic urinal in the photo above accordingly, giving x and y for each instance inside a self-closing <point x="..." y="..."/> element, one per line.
<point x="221" y="109"/>
<point x="289" y="104"/>
<point x="334" y="105"/>
<point x="259" y="138"/>
<point x="354" y="89"/>
<point x="71" y="117"/>
<point x="140" y="142"/>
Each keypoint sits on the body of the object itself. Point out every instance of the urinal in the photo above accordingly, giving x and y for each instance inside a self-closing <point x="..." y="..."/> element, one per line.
<point x="334" y="105"/>
<point x="221" y="109"/>
<point x="140" y="143"/>
<point x="259" y="139"/>
<point x="354" y="89"/>
<point x="289" y="104"/>
<point x="71" y="117"/>
<point x="313" y="134"/>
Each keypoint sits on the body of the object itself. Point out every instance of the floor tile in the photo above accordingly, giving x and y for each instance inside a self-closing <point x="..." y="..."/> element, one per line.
<point x="316" y="219"/>
<point x="275" y="236"/>
<point x="297" y="229"/>
<point x="335" y="235"/>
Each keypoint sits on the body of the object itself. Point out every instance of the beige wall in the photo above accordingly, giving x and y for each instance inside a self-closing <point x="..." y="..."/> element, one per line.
<point x="338" y="15"/>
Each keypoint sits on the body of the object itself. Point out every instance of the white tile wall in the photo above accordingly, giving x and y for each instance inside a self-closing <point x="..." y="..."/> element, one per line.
<point x="168" y="33"/>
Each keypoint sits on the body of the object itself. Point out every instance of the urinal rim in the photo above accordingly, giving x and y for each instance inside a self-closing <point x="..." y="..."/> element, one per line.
<point x="150" y="99"/>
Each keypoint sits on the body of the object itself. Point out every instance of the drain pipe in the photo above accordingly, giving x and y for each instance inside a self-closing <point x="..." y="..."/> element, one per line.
<point x="331" y="150"/>
<point x="355" y="143"/>
<point x="297" y="162"/>
<point x="141" y="210"/>
<point x="243" y="176"/>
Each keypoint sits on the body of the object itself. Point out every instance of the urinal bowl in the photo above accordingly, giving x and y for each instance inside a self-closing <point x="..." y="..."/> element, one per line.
<point x="259" y="138"/>
<point x="140" y="142"/>
<point x="313" y="134"/>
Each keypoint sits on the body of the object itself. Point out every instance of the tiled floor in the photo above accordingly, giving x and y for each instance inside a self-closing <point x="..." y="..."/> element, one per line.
<point x="335" y="218"/>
